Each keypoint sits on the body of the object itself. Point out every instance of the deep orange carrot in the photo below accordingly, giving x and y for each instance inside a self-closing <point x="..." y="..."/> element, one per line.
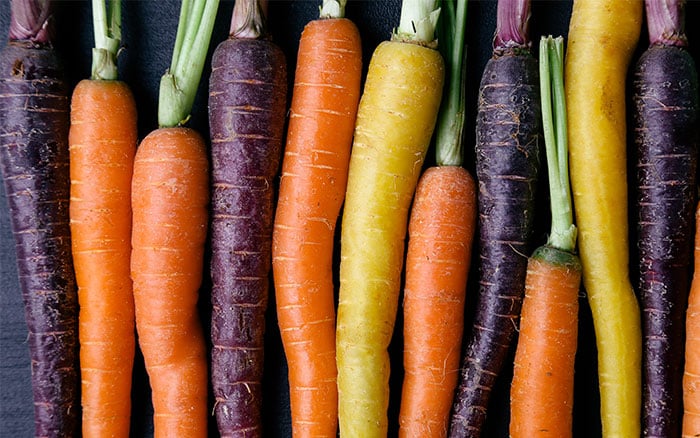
<point x="170" y="195"/>
<point x="542" y="389"/>
<point x="312" y="190"/>
<point x="441" y="231"/>
<point x="543" y="380"/>
<point x="170" y="203"/>
<point x="691" y="375"/>
<point x="102" y="140"/>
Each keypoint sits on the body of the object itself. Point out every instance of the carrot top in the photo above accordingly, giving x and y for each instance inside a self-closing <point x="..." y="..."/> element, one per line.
<point x="563" y="232"/>
<point x="450" y="124"/>
<point x="178" y="86"/>
<point x="418" y="22"/>
<point x="512" y="21"/>
<point x="30" y="21"/>
<point x="333" y="9"/>
<point x="666" y="22"/>
<point x="108" y="35"/>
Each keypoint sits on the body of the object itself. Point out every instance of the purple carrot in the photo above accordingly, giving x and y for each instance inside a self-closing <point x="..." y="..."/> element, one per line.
<point x="34" y="121"/>
<point x="247" y="106"/>
<point x="666" y="137"/>
<point x="507" y="167"/>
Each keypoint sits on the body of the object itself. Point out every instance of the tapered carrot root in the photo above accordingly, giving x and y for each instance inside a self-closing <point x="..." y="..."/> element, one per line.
<point x="103" y="137"/>
<point x="34" y="122"/>
<point x="543" y="379"/>
<point x="312" y="190"/>
<point x="170" y="195"/>
<point x="395" y="120"/>
<point x="691" y="374"/>
<point x="441" y="231"/>
<point x="602" y="39"/>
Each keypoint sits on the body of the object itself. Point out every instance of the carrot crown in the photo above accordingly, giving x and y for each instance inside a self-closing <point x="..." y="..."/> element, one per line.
<point x="248" y="19"/>
<point x="418" y="22"/>
<point x="666" y="22"/>
<point x="178" y="86"/>
<point x="108" y="35"/>
<point x="512" y="24"/>
<point x="30" y="20"/>
<point x="450" y="124"/>
<point x="333" y="9"/>
<point x="563" y="232"/>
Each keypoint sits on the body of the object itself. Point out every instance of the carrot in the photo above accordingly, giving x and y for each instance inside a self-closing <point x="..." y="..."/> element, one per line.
<point x="395" y="120"/>
<point x="602" y="38"/>
<point x="691" y="373"/>
<point x="666" y="116"/>
<point x="34" y="123"/>
<point x="507" y="169"/>
<point x="542" y="389"/>
<point x="170" y="195"/>
<point x="102" y="143"/>
<point x="312" y="190"/>
<point x="441" y="231"/>
<point x="247" y="105"/>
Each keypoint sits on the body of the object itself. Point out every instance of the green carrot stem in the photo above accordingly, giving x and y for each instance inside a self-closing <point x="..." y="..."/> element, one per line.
<point x="563" y="231"/>
<point x="450" y="124"/>
<point x="178" y="86"/>
<point x="418" y="22"/>
<point x="108" y="34"/>
<point x="333" y="9"/>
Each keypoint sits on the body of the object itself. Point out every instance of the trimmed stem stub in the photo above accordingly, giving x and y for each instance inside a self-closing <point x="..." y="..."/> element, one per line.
<point x="248" y="19"/>
<point x="333" y="9"/>
<point x="512" y="24"/>
<point x="666" y="22"/>
<point x="418" y="22"/>
<point x="30" y="21"/>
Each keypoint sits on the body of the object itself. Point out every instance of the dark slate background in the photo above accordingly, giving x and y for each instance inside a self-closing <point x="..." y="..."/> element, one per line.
<point x="148" y="35"/>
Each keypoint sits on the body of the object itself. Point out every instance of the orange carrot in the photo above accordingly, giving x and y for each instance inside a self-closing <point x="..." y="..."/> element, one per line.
<point x="170" y="194"/>
<point x="312" y="190"/>
<point x="441" y="232"/>
<point x="170" y="200"/>
<point x="691" y="375"/>
<point x="542" y="388"/>
<point x="102" y="140"/>
<point x="102" y="146"/>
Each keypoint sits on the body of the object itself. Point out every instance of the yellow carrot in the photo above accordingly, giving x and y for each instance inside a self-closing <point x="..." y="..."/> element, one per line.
<point x="602" y="37"/>
<point x="395" y="121"/>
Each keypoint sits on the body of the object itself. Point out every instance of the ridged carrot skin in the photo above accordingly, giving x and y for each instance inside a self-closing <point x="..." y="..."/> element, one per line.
<point x="312" y="190"/>
<point x="170" y="196"/>
<point x="441" y="231"/>
<point x="691" y="374"/>
<point x="103" y="136"/>
<point x="602" y="37"/>
<point x="507" y="169"/>
<point x="395" y="120"/>
<point x="542" y="391"/>
<point x="247" y="106"/>
<point x="34" y="123"/>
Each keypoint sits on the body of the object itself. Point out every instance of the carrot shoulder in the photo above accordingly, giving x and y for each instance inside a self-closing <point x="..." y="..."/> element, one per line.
<point x="312" y="190"/>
